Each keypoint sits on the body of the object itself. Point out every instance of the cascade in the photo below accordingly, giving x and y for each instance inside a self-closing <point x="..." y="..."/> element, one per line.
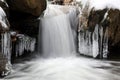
<point x="57" y="36"/>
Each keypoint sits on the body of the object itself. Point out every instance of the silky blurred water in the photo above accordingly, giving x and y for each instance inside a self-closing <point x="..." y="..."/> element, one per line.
<point x="69" y="68"/>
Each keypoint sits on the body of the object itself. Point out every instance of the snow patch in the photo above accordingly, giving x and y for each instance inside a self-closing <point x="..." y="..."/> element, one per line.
<point x="3" y="18"/>
<point x="101" y="4"/>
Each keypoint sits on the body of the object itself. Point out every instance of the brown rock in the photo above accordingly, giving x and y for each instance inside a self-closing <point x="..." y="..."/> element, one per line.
<point x="34" y="7"/>
<point x="68" y="1"/>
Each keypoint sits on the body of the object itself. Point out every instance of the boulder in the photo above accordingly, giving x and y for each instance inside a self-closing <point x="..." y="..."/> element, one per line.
<point x="34" y="7"/>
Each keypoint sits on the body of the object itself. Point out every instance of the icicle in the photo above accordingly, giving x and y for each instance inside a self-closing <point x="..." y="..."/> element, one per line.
<point x="95" y="43"/>
<point x="6" y="45"/>
<point x="101" y="41"/>
<point x="105" y="44"/>
<point x="81" y="43"/>
<point x="85" y="45"/>
<point x="25" y="43"/>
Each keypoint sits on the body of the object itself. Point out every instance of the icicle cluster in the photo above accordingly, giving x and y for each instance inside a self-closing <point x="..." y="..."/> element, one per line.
<point x="6" y="44"/>
<point x="94" y="43"/>
<point x="25" y="43"/>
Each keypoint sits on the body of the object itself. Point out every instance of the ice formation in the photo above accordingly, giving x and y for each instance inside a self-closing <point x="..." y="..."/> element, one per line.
<point x="5" y="36"/>
<point x="6" y="44"/>
<point x="94" y="43"/>
<point x="24" y="43"/>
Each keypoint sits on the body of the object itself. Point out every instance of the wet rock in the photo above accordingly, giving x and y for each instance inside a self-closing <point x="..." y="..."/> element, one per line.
<point x="114" y="33"/>
<point x="34" y="7"/>
<point x="4" y="66"/>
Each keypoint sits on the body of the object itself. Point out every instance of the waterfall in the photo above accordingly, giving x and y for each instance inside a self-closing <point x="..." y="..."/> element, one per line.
<point x="57" y="36"/>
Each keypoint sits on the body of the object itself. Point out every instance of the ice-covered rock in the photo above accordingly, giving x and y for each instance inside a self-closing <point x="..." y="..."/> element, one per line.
<point x="24" y="43"/>
<point x="106" y="15"/>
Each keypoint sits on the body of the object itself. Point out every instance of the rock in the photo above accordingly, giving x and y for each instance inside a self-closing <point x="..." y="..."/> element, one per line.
<point x="109" y="19"/>
<point x="114" y="33"/>
<point x="34" y="7"/>
<point x="67" y="1"/>
<point x="4" y="66"/>
<point x="24" y="16"/>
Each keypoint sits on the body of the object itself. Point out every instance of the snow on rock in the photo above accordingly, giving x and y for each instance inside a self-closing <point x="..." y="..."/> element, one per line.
<point x="98" y="4"/>
<point x="3" y="20"/>
<point x="101" y="4"/>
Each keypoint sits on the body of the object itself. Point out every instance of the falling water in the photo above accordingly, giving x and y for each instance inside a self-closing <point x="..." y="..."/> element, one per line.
<point x="57" y="37"/>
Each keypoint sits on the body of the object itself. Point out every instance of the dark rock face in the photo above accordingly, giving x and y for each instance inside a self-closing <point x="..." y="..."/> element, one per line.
<point x="114" y="33"/>
<point x="24" y="15"/>
<point x="26" y="26"/>
<point x="4" y="70"/>
<point x="34" y="7"/>
<point x="109" y="19"/>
